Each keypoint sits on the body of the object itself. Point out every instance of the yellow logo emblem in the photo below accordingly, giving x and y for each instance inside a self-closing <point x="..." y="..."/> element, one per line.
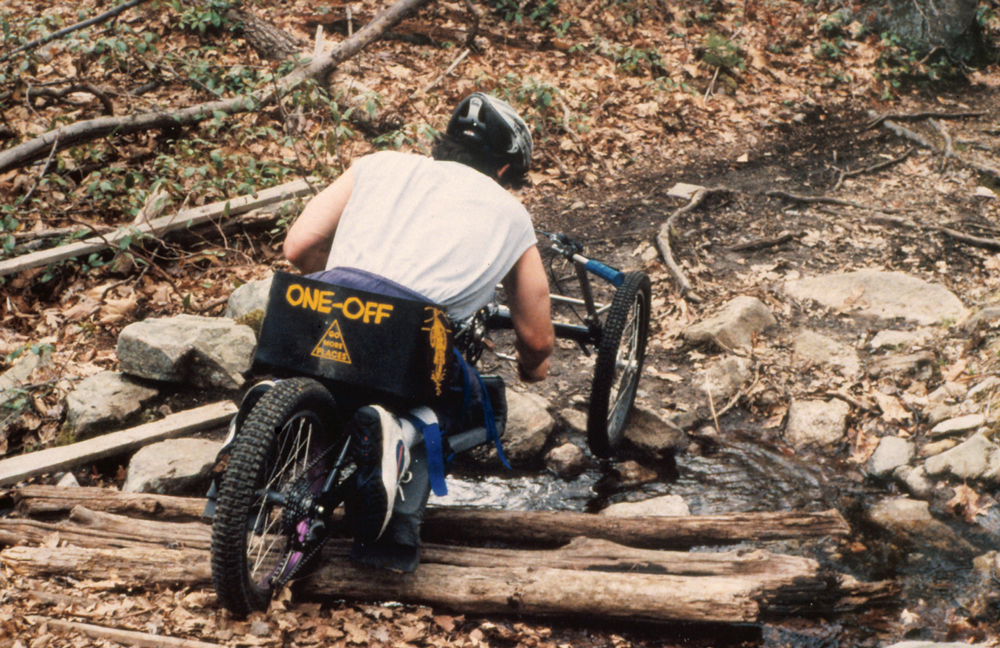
<point x="331" y="346"/>
<point x="438" y="334"/>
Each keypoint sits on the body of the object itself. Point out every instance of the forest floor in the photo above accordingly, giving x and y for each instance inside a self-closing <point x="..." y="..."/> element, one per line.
<point x="776" y="125"/>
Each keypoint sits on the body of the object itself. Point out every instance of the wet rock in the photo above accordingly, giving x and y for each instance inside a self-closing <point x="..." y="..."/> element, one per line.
<point x="816" y="422"/>
<point x="911" y="522"/>
<point x="976" y="458"/>
<point x="574" y="419"/>
<point x="734" y="326"/>
<point x="821" y="350"/>
<point x="629" y="474"/>
<point x="201" y="351"/>
<point x="528" y="427"/>
<point x="957" y="426"/>
<point x="172" y="467"/>
<point x="891" y="453"/>
<point x="567" y="461"/>
<point x="653" y="435"/>
<point x="881" y="294"/>
<point x="664" y="506"/>
<point x="723" y="378"/>
<point x="103" y="402"/>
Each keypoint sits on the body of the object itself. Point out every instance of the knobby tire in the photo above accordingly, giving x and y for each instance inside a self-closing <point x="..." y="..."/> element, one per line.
<point x="618" y="367"/>
<point x="266" y="451"/>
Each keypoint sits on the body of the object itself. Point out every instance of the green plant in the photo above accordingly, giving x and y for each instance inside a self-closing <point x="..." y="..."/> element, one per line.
<point x="199" y="16"/>
<point x="719" y="51"/>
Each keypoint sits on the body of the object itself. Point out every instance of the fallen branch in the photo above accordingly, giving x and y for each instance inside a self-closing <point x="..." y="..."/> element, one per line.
<point x="124" y="637"/>
<point x="663" y="240"/>
<point x="85" y="131"/>
<point x="872" y="169"/>
<point x="920" y="116"/>
<point x="775" y="193"/>
<point x="111" y="13"/>
<point x="766" y="243"/>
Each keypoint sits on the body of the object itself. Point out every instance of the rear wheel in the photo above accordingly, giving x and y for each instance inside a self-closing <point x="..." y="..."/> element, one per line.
<point x="261" y="532"/>
<point x="619" y="363"/>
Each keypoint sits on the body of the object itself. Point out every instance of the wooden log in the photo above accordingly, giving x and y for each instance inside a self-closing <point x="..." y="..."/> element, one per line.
<point x="33" y="464"/>
<point x="143" y="564"/>
<point x="559" y="527"/>
<point x="158" y="227"/>
<point x="458" y="524"/>
<point x="37" y="500"/>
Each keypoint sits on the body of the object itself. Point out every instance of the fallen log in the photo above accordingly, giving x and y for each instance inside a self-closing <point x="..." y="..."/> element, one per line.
<point x="51" y="460"/>
<point x="522" y="582"/>
<point x="525" y="528"/>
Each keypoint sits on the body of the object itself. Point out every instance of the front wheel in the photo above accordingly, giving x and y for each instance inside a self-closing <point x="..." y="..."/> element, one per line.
<point x="619" y="363"/>
<point x="277" y="465"/>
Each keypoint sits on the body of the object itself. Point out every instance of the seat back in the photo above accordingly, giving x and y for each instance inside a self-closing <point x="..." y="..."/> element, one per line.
<point x="323" y="330"/>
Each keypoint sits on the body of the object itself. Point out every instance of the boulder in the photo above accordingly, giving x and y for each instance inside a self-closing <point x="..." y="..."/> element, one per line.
<point x="891" y="453"/>
<point x="881" y="294"/>
<point x="976" y="458"/>
<point x="200" y="351"/>
<point x="528" y="427"/>
<point x="821" y="350"/>
<point x="567" y="461"/>
<point x="735" y="325"/>
<point x="663" y="506"/>
<point x="911" y="522"/>
<point x="104" y="402"/>
<point x="651" y="434"/>
<point x="172" y="467"/>
<point x="816" y="422"/>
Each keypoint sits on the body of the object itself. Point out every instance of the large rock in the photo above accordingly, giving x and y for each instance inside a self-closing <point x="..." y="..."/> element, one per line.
<point x="816" y="422"/>
<point x="976" y="458"/>
<point x="248" y="303"/>
<point x="891" y="453"/>
<point x="735" y="325"/>
<point x="567" y="461"/>
<point x="911" y="521"/>
<point x="201" y="351"/>
<point x="651" y="434"/>
<point x="881" y="294"/>
<point x="172" y="467"/>
<point x="528" y="427"/>
<point x="821" y="350"/>
<point x="663" y="506"/>
<point x="723" y="378"/>
<point x="104" y="402"/>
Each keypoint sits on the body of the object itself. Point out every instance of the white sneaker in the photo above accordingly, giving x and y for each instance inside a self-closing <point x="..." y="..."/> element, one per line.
<point x="382" y="460"/>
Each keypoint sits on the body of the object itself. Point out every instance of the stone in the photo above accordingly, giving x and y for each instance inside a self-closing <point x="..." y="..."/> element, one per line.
<point x="651" y="434"/>
<point x="881" y="294"/>
<point x="200" y="351"/>
<point x="911" y="521"/>
<point x="901" y="340"/>
<point x="915" y="480"/>
<point x="937" y="447"/>
<point x="958" y="425"/>
<point x="986" y="317"/>
<point x="567" y="461"/>
<point x="816" y="422"/>
<point x="891" y="453"/>
<point x="629" y="474"/>
<point x="983" y="389"/>
<point x="908" y="364"/>
<point x="172" y="467"/>
<point x="948" y="392"/>
<point x="936" y="413"/>
<point x="723" y="378"/>
<point x="976" y="458"/>
<point x="528" y="427"/>
<point x="821" y="350"/>
<point x="20" y="373"/>
<point x="735" y="325"/>
<point x="574" y="419"/>
<point x="104" y="402"/>
<point x="663" y="506"/>
<point x="68" y="480"/>
<point x="250" y="297"/>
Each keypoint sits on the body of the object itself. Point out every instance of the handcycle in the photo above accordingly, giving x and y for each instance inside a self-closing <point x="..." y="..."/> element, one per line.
<point x="288" y="461"/>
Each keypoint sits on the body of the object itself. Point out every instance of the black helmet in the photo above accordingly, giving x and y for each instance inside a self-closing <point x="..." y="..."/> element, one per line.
<point x="495" y="125"/>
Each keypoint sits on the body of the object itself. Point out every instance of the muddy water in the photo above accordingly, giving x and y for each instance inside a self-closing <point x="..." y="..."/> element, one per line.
<point x="938" y="588"/>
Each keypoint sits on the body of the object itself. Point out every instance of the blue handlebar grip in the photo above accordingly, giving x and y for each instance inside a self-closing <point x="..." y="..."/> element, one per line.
<point x="605" y="272"/>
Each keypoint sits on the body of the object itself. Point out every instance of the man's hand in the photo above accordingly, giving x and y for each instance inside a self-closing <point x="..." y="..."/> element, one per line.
<point x="536" y="374"/>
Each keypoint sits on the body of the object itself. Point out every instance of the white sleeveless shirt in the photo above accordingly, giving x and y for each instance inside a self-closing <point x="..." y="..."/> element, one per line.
<point x="441" y="229"/>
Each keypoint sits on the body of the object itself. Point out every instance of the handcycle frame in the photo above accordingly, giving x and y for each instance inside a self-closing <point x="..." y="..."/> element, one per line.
<point x="289" y="462"/>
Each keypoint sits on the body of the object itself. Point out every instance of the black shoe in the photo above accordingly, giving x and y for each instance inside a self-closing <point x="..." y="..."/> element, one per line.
<point x="382" y="460"/>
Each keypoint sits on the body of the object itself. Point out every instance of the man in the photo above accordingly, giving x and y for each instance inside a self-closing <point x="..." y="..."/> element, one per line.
<point x="443" y="230"/>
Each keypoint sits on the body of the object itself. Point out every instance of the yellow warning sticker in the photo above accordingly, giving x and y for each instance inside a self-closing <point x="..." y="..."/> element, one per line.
<point x="331" y="346"/>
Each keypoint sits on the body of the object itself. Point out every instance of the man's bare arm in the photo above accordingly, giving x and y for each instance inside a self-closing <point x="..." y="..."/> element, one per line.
<point x="527" y="289"/>
<point x="309" y="239"/>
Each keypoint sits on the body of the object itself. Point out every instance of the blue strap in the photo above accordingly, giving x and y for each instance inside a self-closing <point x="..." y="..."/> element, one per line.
<point x="489" y="418"/>
<point x="435" y="453"/>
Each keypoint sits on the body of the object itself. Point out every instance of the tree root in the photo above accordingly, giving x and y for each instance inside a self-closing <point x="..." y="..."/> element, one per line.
<point x="872" y="169"/>
<point x="663" y="241"/>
